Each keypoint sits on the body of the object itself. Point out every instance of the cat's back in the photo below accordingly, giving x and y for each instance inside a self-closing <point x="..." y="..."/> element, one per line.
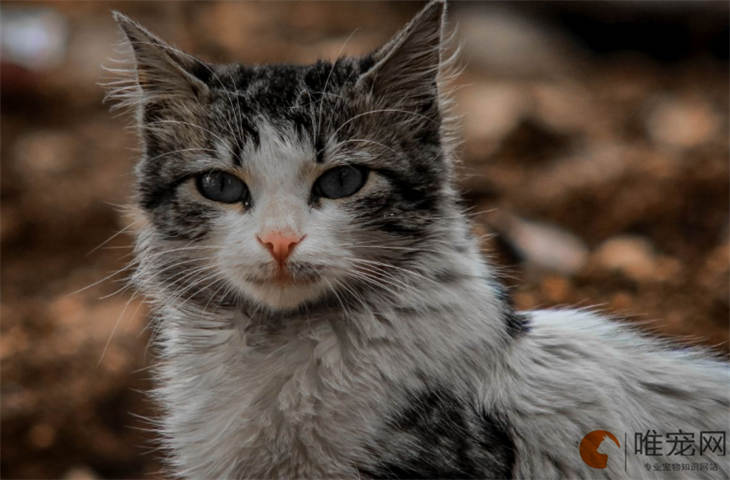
<point x="575" y="372"/>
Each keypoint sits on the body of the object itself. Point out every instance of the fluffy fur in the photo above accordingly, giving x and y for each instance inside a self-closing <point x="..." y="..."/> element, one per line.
<point x="392" y="351"/>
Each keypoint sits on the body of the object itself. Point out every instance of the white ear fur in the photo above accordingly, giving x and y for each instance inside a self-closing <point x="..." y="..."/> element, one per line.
<point x="161" y="70"/>
<point x="407" y="67"/>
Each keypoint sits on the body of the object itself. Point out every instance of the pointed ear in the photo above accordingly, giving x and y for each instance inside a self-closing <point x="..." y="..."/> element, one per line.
<point x="406" y="68"/>
<point x="163" y="71"/>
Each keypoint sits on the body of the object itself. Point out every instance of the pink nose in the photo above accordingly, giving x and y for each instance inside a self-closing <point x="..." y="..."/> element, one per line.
<point x="280" y="244"/>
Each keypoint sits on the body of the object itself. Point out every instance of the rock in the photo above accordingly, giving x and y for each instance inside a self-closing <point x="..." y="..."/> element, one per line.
<point x="80" y="473"/>
<point x="589" y="168"/>
<point x="682" y="122"/>
<point x="543" y="245"/>
<point x="490" y="112"/>
<point x="503" y="42"/>
<point x="44" y="153"/>
<point x="630" y="255"/>
<point x="565" y="107"/>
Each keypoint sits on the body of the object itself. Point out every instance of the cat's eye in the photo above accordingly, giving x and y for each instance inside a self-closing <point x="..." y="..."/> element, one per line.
<point x="222" y="187"/>
<point x="341" y="182"/>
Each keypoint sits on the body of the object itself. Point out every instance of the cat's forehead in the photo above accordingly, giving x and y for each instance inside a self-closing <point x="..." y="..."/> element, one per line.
<point x="268" y="89"/>
<point x="281" y="156"/>
<point x="266" y="108"/>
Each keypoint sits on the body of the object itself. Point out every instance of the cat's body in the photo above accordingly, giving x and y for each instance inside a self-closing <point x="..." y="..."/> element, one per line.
<point x="319" y="405"/>
<point x="320" y="324"/>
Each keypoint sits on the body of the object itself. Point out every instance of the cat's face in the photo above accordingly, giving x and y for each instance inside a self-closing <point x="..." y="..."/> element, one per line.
<point x="283" y="184"/>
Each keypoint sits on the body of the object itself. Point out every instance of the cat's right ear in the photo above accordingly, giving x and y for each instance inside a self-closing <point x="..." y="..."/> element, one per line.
<point x="162" y="71"/>
<point x="406" y="70"/>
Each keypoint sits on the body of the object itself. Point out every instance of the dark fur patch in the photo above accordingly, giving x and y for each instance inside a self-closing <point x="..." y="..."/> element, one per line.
<point x="516" y="323"/>
<point x="441" y="436"/>
<point x="201" y="71"/>
<point x="153" y="195"/>
<point x="236" y="154"/>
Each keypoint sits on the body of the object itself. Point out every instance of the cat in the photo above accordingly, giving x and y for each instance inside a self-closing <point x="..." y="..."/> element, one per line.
<point x="322" y="306"/>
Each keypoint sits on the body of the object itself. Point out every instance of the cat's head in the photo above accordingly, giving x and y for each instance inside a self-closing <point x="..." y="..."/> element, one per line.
<point x="280" y="184"/>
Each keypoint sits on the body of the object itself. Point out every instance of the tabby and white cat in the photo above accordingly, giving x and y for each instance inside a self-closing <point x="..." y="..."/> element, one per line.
<point x="323" y="309"/>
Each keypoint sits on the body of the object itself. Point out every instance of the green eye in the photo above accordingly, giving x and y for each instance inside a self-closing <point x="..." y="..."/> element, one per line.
<point x="222" y="187"/>
<point x="340" y="182"/>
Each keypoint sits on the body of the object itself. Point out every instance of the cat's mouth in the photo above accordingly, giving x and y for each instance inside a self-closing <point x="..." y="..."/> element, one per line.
<point x="284" y="278"/>
<point x="284" y="288"/>
<point x="295" y="274"/>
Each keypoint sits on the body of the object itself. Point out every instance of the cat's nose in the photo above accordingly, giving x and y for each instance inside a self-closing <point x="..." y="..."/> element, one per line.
<point x="280" y="244"/>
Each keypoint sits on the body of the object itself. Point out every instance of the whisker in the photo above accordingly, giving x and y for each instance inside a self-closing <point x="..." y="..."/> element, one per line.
<point x="124" y="229"/>
<point x="189" y="124"/>
<point x="371" y="112"/>
<point x="327" y="81"/>
<point x="361" y="140"/>
<point x="114" y="329"/>
<point x="107" y="277"/>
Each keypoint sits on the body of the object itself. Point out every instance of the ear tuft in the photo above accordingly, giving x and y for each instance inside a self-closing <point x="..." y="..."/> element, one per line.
<point x="162" y="71"/>
<point x="406" y="68"/>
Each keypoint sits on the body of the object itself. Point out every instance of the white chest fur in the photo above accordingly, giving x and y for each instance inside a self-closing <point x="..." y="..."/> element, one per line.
<point x="243" y="409"/>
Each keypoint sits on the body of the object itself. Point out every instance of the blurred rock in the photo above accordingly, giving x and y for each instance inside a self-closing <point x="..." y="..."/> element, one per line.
<point x="592" y="167"/>
<point x="80" y="473"/>
<point x="44" y="153"/>
<point x="490" y="112"/>
<point x="502" y="42"/>
<point x="682" y="122"/>
<point x="631" y="255"/>
<point x="542" y="245"/>
<point x="564" y="107"/>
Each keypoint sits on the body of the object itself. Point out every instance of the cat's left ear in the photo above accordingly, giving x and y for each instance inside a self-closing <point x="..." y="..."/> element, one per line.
<point x="406" y="68"/>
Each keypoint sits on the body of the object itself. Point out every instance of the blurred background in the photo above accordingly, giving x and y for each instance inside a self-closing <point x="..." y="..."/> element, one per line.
<point x="594" y="162"/>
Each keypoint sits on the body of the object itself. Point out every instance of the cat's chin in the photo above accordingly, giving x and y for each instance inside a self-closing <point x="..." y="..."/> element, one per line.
<point x="285" y="296"/>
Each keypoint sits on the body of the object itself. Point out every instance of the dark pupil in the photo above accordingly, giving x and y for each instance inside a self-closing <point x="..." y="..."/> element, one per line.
<point x="341" y="182"/>
<point x="221" y="187"/>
